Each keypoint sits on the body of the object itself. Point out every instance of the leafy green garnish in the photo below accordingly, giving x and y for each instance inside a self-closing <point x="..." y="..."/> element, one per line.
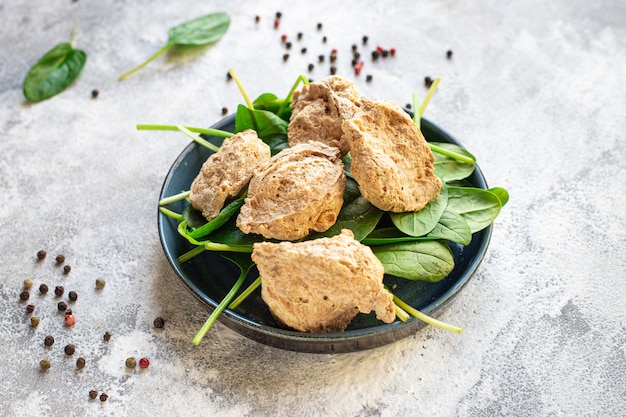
<point x="203" y="30"/>
<point x="54" y="72"/>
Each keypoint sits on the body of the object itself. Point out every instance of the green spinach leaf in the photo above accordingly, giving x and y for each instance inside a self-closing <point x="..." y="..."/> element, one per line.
<point x="54" y="72"/>
<point x="449" y="168"/>
<point x="203" y="30"/>
<point x="424" y="261"/>
<point x="478" y="207"/>
<point x="501" y="193"/>
<point x="453" y="227"/>
<point x="418" y="223"/>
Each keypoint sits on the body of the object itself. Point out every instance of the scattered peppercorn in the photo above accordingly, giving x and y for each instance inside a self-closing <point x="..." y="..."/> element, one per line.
<point x="60" y="259"/>
<point x="303" y="50"/>
<point x="94" y="93"/>
<point x="229" y="76"/>
<point x="44" y="364"/>
<point x="224" y="111"/>
<point x="333" y="57"/>
<point x="311" y="66"/>
<point x="285" y="57"/>
<point x="43" y="288"/>
<point x="62" y="306"/>
<point x="67" y="269"/>
<point x="70" y="320"/>
<point x="369" y="78"/>
<point x="70" y="349"/>
<point x="299" y="35"/>
<point x="279" y="15"/>
<point x="41" y="254"/>
<point x="365" y="39"/>
<point x="80" y="363"/>
<point x="58" y="290"/>
<point x="159" y="322"/>
<point x="30" y="308"/>
<point x="68" y="311"/>
<point x="375" y="55"/>
<point x="257" y="19"/>
<point x="354" y="47"/>
<point x="107" y="336"/>
<point x="288" y="45"/>
<point x="333" y="70"/>
<point x="48" y="341"/>
<point x="103" y="397"/>
<point x="144" y="363"/>
<point x="28" y="283"/>
<point x="320" y="58"/>
<point x="385" y="53"/>
<point x="319" y="26"/>
<point x="392" y="51"/>
<point x="100" y="283"/>
<point x="276" y="23"/>
<point x="24" y="295"/>
<point x="131" y="363"/>
<point x="408" y="106"/>
<point x="324" y="39"/>
<point x="358" y="68"/>
<point x="354" y="62"/>
<point x="34" y="321"/>
<point x="428" y="81"/>
<point x="356" y="55"/>
<point x="449" y="54"/>
<point x="72" y="295"/>
<point x="283" y="37"/>
<point x="93" y="394"/>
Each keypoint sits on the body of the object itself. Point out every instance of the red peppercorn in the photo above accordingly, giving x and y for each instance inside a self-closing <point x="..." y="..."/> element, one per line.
<point x="333" y="51"/>
<point x="70" y="320"/>
<point x="379" y="49"/>
<point x="144" y="363"/>
<point x="392" y="51"/>
<point x="276" y="23"/>
<point x="283" y="37"/>
<point x="358" y="67"/>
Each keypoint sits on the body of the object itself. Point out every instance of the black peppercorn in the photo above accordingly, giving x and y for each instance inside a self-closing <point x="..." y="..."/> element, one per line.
<point x="41" y="254"/>
<point x="449" y="54"/>
<point x="43" y="288"/>
<point x="80" y="363"/>
<point x="94" y="93"/>
<point x="30" y="308"/>
<point x="354" y="62"/>
<point x="285" y="57"/>
<point x="229" y="76"/>
<point x="58" y="290"/>
<point x="279" y="15"/>
<point x="103" y="397"/>
<point x="333" y="70"/>
<point x="48" y="341"/>
<point x="408" y="106"/>
<point x="93" y="394"/>
<point x="68" y="312"/>
<point x="72" y="295"/>
<point x="319" y="26"/>
<point x="385" y="53"/>
<point x="69" y="349"/>
<point x="224" y="111"/>
<point x="299" y="35"/>
<point x="303" y="50"/>
<point x="107" y="336"/>
<point x="60" y="259"/>
<point x="375" y="55"/>
<point x="369" y="78"/>
<point x="24" y="295"/>
<point x="67" y="269"/>
<point x="257" y="19"/>
<point x="320" y="58"/>
<point x="365" y="39"/>
<point x="324" y="39"/>
<point x="159" y="322"/>
<point x="354" y="47"/>
<point x="288" y="45"/>
<point x="62" y="306"/>
<point x="428" y="81"/>
<point x="311" y="66"/>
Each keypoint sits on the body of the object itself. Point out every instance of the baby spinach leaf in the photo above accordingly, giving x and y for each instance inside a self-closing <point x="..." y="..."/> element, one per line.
<point x="478" y="207"/>
<point x="225" y="214"/>
<point x="448" y="168"/>
<point x="424" y="261"/>
<point x="420" y="222"/>
<point x="453" y="227"/>
<point x="501" y="193"/>
<point x="356" y="214"/>
<point x="203" y="30"/>
<point x="54" y="72"/>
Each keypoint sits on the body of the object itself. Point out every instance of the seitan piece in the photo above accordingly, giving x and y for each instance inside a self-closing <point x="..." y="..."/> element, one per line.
<point x="391" y="160"/>
<point x="298" y="190"/>
<point x="320" y="285"/>
<point x="319" y="110"/>
<point x="227" y="172"/>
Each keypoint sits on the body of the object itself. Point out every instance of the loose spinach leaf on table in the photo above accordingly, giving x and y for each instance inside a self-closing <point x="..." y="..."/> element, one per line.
<point x="54" y="72"/>
<point x="422" y="260"/>
<point x="203" y="30"/>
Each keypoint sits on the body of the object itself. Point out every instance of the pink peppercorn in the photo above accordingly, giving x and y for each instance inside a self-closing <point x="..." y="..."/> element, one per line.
<point x="70" y="320"/>
<point x="358" y="67"/>
<point x="392" y="51"/>
<point x="144" y="363"/>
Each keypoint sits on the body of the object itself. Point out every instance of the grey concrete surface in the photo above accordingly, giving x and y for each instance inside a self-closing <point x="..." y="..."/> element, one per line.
<point x="536" y="90"/>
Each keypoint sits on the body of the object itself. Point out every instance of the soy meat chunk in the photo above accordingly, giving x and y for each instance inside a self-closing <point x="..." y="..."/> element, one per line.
<point x="320" y="285"/>
<point x="391" y="160"/>
<point x="319" y="109"/>
<point x="298" y="190"/>
<point x="227" y="172"/>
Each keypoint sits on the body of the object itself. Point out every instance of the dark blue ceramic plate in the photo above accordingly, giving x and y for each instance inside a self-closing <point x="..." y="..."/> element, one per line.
<point x="210" y="277"/>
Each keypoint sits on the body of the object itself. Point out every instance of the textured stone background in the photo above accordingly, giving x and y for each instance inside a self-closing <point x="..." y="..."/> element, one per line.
<point x="536" y="90"/>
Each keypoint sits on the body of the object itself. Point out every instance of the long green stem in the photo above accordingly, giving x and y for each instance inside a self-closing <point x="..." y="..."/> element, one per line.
<point x="188" y="255"/>
<point x="401" y="314"/>
<point x="241" y="89"/>
<point x="196" y="138"/>
<point x="152" y="58"/>
<point x="221" y="247"/>
<point x="301" y="79"/>
<point x="174" y="198"/>
<point x="416" y="114"/>
<point x="201" y="130"/>
<point x="218" y="310"/>
<point x="171" y="214"/>
<point x="245" y="294"/>
<point x="429" y="95"/>
<point x="427" y="319"/>
<point x="457" y="157"/>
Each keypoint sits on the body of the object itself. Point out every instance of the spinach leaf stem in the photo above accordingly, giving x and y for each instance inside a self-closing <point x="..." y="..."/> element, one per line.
<point x="201" y="130"/>
<point x="196" y="138"/>
<point x="241" y="89"/>
<point x="173" y="198"/>
<point x="171" y="214"/>
<point x="456" y="156"/>
<point x="427" y="319"/>
<point x="245" y="294"/>
<point x="149" y="60"/>
<point x="301" y="79"/>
